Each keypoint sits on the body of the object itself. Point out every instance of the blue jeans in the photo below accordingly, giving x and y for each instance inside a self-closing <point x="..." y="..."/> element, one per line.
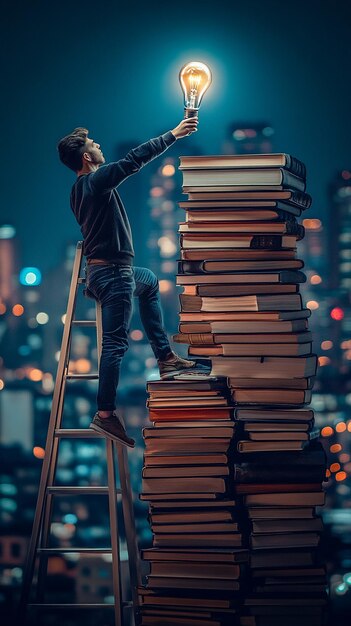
<point x="114" y="287"/>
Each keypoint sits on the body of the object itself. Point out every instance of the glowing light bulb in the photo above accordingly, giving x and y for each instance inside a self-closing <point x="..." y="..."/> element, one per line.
<point x="195" y="78"/>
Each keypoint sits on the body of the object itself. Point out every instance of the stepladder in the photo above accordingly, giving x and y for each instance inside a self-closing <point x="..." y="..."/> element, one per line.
<point x="118" y="605"/>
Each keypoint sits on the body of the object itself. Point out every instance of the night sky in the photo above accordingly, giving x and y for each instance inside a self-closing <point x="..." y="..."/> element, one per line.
<point x="113" y="68"/>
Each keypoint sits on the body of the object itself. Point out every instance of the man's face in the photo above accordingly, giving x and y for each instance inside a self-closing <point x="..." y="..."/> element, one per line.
<point x="93" y="153"/>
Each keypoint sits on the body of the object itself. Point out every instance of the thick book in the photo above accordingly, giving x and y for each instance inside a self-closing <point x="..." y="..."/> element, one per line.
<point x="185" y="471"/>
<point x="206" y="540"/>
<point x="198" y="424"/>
<point x="271" y="396"/>
<point x="270" y="446"/>
<point x="265" y="367"/>
<point x="222" y="556"/>
<point x="274" y="426"/>
<point x="253" y="316"/>
<point x="203" y="432"/>
<point x="238" y="290"/>
<point x="284" y="384"/>
<point x="238" y="210"/>
<point x="154" y="617"/>
<point x="296" y="198"/>
<point x="183" y="503"/>
<point x="272" y="413"/>
<point x="192" y="583"/>
<point x="288" y="540"/>
<point x="161" y="446"/>
<point x="237" y="254"/>
<point x="180" y="460"/>
<point x="279" y="302"/>
<point x="243" y="177"/>
<point x="211" y="383"/>
<point x="208" y="339"/>
<point x="244" y="326"/>
<point x="260" y="527"/>
<point x="237" y="240"/>
<point x="149" y="597"/>
<point x="190" y="277"/>
<point x="302" y="487"/>
<point x="228" y="266"/>
<point x="259" y="472"/>
<point x="249" y="349"/>
<point x="281" y="159"/>
<point x="283" y="435"/>
<point x="279" y="558"/>
<point x="313" y="498"/>
<point x="306" y="573"/>
<point x="192" y="570"/>
<point x="260" y="513"/>
<point x="219" y="413"/>
<point x="160" y="403"/>
<point x="184" y="394"/>
<point x="173" y="516"/>
<point x="203" y="527"/>
<point x="183" y="485"/>
<point x="290" y="227"/>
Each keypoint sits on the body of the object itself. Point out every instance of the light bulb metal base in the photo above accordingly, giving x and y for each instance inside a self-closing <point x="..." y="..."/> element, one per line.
<point x="190" y="112"/>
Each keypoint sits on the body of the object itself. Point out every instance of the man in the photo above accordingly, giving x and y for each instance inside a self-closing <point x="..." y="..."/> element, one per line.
<point x="110" y="276"/>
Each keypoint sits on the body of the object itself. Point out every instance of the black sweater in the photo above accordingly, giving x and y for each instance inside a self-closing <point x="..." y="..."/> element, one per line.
<point x="99" y="209"/>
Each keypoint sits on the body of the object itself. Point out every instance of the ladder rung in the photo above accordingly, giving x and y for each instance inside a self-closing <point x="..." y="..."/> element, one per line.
<point x="110" y="605"/>
<point x="69" y="550"/>
<point x="81" y="281"/>
<point x="77" y="432"/>
<point x="84" y="322"/>
<point x="80" y="490"/>
<point x="81" y="376"/>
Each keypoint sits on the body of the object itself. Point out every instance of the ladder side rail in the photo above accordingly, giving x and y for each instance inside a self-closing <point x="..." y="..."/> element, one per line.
<point x="115" y="548"/>
<point x="31" y="553"/>
<point x="44" y="536"/>
<point x="129" y="525"/>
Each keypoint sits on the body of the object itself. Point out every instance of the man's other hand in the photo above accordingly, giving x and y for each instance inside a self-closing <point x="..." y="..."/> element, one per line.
<point x="185" y="128"/>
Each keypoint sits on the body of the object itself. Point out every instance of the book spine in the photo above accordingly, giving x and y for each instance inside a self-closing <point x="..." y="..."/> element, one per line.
<point x="253" y="473"/>
<point x="295" y="166"/>
<point x="291" y="181"/>
<point x="301" y="199"/>
<point x="194" y="338"/>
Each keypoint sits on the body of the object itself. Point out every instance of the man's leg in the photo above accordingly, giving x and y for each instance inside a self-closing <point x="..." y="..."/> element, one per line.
<point x="147" y="289"/>
<point x="113" y="286"/>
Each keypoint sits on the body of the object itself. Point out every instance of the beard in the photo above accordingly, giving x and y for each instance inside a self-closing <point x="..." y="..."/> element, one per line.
<point x="97" y="157"/>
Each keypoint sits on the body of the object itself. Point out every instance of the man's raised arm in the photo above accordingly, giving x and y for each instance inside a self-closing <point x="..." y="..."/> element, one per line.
<point x="107" y="177"/>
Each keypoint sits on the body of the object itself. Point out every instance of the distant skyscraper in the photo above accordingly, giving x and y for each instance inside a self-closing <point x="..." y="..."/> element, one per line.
<point x="340" y="264"/>
<point x="248" y="137"/>
<point x="340" y="231"/>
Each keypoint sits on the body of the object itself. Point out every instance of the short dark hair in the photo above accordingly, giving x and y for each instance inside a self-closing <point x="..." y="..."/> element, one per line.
<point x="71" y="148"/>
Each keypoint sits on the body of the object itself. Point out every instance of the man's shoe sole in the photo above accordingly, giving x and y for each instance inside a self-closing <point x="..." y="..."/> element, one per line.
<point x="111" y="435"/>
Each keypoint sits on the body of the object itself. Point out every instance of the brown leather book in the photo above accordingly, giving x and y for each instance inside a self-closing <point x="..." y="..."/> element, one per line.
<point x="207" y="339"/>
<point x="236" y="326"/>
<point x="277" y="302"/>
<point x="249" y="349"/>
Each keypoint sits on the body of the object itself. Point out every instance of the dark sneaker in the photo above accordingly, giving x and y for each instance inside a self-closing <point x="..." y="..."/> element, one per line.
<point x="111" y="427"/>
<point x="175" y="365"/>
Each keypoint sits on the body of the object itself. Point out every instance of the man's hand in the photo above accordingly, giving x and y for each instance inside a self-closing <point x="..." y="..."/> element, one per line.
<point x="185" y="128"/>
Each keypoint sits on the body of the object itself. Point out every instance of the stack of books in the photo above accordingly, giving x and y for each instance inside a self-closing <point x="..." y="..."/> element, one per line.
<point x="242" y="314"/>
<point x="241" y="308"/>
<point x="198" y="559"/>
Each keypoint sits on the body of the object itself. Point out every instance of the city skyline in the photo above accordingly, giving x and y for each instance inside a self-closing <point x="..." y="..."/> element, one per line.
<point x="95" y="66"/>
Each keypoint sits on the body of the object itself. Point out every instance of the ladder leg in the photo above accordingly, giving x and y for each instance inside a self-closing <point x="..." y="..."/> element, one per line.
<point x="31" y="554"/>
<point x="56" y="403"/>
<point x="116" y="565"/>
<point x="48" y="505"/>
<point x="129" y="524"/>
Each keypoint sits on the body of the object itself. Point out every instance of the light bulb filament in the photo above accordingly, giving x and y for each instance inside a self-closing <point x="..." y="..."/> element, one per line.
<point x="195" y="78"/>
